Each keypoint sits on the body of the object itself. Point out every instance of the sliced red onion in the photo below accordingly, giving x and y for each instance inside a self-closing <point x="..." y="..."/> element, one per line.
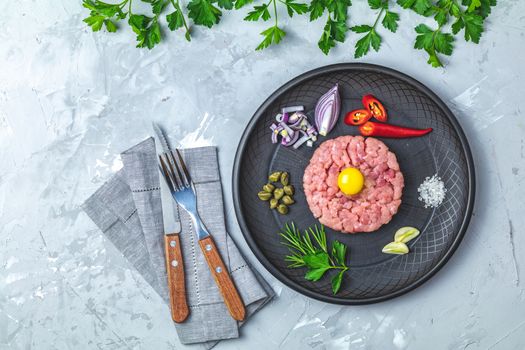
<point x="304" y="138"/>
<point x="296" y="121"/>
<point x="286" y="128"/>
<point x="294" y="118"/>
<point x="276" y="129"/>
<point x="293" y="127"/>
<point x="327" y="111"/>
<point x="290" y="139"/>
<point x="311" y="131"/>
<point x="292" y="109"/>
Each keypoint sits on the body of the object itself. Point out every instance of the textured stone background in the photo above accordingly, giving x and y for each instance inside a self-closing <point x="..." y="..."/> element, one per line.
<point x="71" y="100"/>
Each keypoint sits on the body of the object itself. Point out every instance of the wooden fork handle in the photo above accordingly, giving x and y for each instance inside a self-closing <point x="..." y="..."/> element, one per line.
<point x="176" y="282"/>
<point x="231" y="296"/>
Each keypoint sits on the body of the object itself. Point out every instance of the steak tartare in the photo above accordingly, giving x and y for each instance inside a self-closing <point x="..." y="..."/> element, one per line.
<point x="366" y="211"/>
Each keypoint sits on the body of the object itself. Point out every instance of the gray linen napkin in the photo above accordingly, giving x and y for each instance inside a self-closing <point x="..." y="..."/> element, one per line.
<point x="128" y="210"/>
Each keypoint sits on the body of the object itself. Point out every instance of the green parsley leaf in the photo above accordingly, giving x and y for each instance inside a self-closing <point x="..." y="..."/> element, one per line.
<point x="258" y="12"/>
<point x="457" y="25"/>
<point x="376" y="4"/>
<point x="316" y="9"/>
<point x="292" y="6"/>
<point x="175" y="20"/>
<point x="315" y="274"/>
<point x="338" y="8"/>
<point x="390" y="21"/>
<point x="225" y="4"/>
<point x="485" y="8"/>
<point x="241" y="3"/>
<point x="110" y="26"/>
<point x="339" y="252"/>
<point x="425" y="39"/>
<point x="202" y="12"/>
<point x="95" y="22"/>
<point x="272" y="35"/>
<point x="406" y="4"/>
<point x="443" y="43"/>
<point x="139" y="23"/>
<point x="315" y="261"/>
<point x="433" y="59"/>
<point x="473" y="27"/>
<point x="149" y="36"/>
<point x="333" y="31"/>
<point x="422" y="7"/>
<point x="157" y="5"/>
<point x="441" y="17"/>
<point x="326" y="42"/>
<point x="363" y="45"/>
<point x="361" y="29"/>
<point x="336" y="281"/>
<point x="474" y="4"/>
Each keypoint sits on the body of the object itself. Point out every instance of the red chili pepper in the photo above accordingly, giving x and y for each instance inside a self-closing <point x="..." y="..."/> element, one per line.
<point x="375" y="107"/>
<point x="357" y="117"/>
<point x="393" y="131"/>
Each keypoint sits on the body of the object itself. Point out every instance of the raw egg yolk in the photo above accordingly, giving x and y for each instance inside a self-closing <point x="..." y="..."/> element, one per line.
<point x="350" y="181"/>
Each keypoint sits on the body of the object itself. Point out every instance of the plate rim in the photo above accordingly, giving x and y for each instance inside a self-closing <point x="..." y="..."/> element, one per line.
<point x="244" y="140"/>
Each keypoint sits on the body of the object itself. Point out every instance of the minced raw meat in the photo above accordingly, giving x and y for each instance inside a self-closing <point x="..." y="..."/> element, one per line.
<point x="366" y="211"/>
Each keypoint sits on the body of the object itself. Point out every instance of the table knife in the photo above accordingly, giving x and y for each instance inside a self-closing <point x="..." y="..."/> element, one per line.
<point x="172" y="246"/>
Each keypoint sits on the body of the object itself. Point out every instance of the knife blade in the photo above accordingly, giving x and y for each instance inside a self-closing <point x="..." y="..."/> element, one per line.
<point x="172" y="244"/>
<point x="171" y="222"/>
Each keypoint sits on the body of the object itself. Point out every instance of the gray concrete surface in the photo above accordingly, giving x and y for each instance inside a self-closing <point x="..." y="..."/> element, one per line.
<point x="71" y="100"/>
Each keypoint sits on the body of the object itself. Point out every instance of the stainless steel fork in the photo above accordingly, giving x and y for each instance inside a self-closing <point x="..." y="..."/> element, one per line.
<point x="183" y="190"/>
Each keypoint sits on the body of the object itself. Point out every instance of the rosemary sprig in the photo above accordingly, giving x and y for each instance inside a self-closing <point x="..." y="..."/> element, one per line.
<point x="314" y="254"/>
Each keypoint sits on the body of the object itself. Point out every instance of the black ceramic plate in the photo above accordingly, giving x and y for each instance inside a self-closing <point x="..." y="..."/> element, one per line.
<point x="373" y="276"/>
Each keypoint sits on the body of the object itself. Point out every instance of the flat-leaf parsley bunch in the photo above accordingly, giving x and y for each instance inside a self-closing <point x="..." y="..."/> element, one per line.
<point x="452" y="18"/>
<point x="310" y="249"/>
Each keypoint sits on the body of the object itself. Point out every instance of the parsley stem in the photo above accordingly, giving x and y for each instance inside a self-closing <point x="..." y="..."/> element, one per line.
<point x="275" y="11"/>
<point x="176" y="5"/>
<point x="378" y="17"/>
<point x="129" y="7"/>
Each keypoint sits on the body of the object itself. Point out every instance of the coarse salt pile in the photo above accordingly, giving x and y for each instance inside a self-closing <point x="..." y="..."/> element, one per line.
<point x="432" y="191"/>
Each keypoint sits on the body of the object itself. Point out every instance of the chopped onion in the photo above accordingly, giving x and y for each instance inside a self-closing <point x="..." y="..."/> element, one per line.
<point x="301" y="140"/>
<point x="309" y="143"/>
<point x="275" y="132"/>
<point x="293" y="127"/>
<point x="290" y="139"/>
<point x="292" y="109"/>
<point x="327" y="111"/>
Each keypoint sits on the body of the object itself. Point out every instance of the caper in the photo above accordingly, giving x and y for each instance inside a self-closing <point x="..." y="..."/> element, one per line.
<point x="273" y="203"/>
<point x="285" y="178"/>
<point x="282" y="209"/>
<point x="264" y="196"/>
<point x="289" y="190"/>
<point x="278" y="193"/>
<point x="275" y="176"/>
<point x="287" y="200"/>
<point x="268" y="188"/>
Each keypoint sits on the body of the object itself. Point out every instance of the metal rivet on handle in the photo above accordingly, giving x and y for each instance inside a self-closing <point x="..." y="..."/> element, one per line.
<point x="218" y="269"/>
<point x="173" y="244"/>
<point x="174" y="263"/>
<point x="208" y="247"/>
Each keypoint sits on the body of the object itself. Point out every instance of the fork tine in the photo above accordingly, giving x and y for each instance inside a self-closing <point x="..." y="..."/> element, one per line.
<point x="166" y="178"/>
<point x="169" y="175"/>
<point x="184" y="169"/>
<point x="173" y="164"/>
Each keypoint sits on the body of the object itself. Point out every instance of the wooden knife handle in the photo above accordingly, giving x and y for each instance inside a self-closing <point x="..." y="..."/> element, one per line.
<point x="176" y="282"/>
<point x="231" y="297"/>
